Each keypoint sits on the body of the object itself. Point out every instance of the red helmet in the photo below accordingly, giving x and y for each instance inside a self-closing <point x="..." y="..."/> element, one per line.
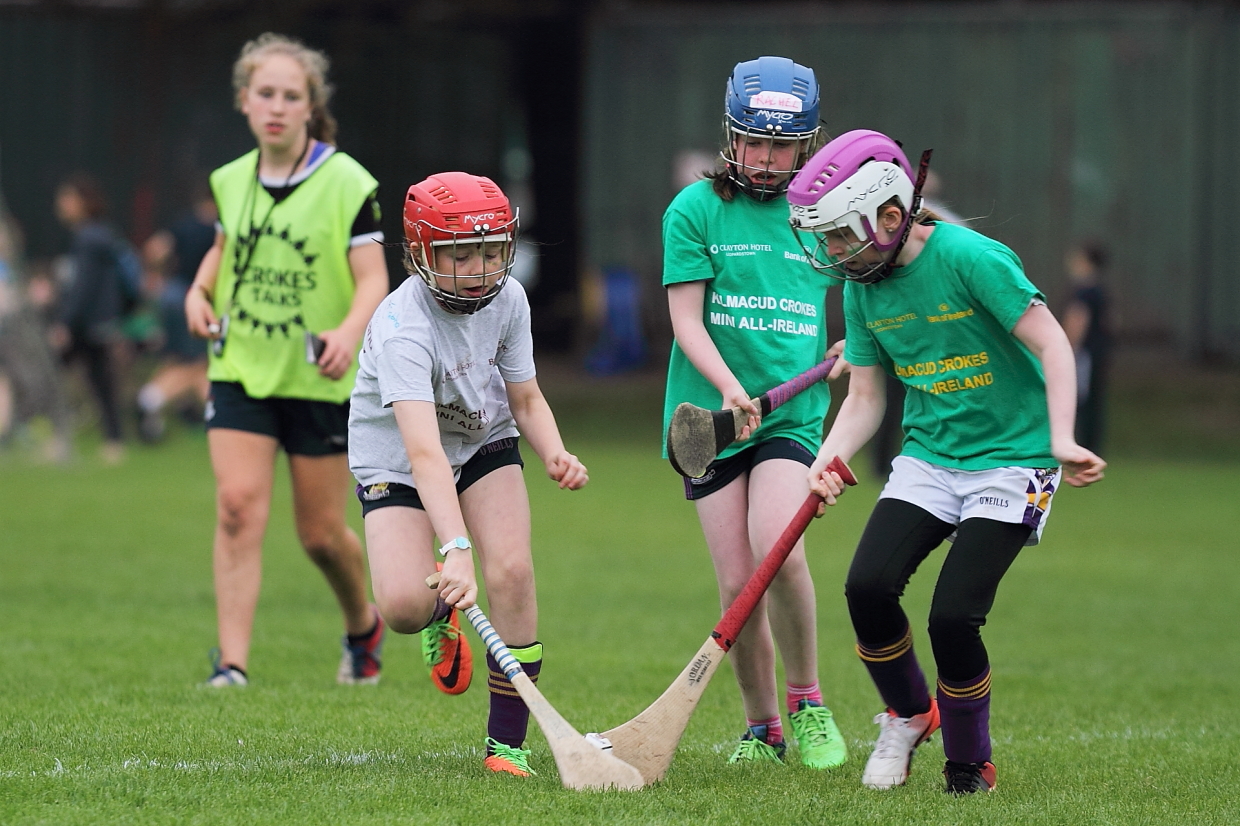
<point x="456" y="209"/>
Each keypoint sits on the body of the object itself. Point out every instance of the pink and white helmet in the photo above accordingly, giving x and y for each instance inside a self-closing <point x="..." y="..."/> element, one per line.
<point x="843" y="187"/>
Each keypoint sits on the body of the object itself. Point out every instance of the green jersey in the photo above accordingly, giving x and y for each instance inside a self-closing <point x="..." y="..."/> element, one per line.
<point x="764" y="307"/>
<point x="295" y="275"/>
<point x="943" y="326"/>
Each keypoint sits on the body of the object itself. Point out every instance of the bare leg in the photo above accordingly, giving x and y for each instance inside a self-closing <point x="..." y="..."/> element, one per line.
<point x="6" y="405"/>
<point x="176" y="379"/>
<point x="724" y="524"/>
<point x="777" y="487"/>
<point x="497" y="511"/>
<point x="320" y="497"/>
<point x="244" y="465"/>
<point x="398" y="544"/>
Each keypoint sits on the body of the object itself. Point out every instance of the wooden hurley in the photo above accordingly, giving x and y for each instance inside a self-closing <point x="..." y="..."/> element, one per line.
<point x="582" y="765"/>
<point x="696" y="435"/>
<point x="649" y="740"/>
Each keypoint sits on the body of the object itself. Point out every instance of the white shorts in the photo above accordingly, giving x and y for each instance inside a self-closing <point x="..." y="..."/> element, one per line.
<point x="1008" y="494"/>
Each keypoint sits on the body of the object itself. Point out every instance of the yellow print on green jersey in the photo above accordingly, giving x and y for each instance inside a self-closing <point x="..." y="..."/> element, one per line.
<point x="955" y="385"/>
<point x="943" y="365"/>
<point x="947" y="315"/>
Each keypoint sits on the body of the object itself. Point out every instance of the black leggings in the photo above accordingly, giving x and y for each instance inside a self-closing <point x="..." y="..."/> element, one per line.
<point x="101" y="375"/>
<point x="897" y="539"/>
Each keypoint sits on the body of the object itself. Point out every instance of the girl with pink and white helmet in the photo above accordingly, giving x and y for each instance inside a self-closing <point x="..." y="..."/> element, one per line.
<point x="988" y="422"/>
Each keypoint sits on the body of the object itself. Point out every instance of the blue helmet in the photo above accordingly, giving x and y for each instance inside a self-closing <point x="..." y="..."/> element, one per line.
<point x="769" y="98"/>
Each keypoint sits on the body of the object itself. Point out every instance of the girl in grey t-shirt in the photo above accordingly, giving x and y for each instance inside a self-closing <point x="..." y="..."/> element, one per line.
<point x="445" y="385"/>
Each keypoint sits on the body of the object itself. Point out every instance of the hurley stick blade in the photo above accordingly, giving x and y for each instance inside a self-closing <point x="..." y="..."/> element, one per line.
<point x="581" y="764"/>
<point x="648" y="741"/>
<point x="695" y="436"/>
<point x="691" y="440"/>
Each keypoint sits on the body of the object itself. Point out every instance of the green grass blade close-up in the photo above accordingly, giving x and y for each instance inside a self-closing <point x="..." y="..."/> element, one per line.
<point x="1116" y="663"/>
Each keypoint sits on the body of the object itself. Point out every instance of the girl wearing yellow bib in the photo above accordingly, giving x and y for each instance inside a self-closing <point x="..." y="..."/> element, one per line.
<point x="284" y="295"/>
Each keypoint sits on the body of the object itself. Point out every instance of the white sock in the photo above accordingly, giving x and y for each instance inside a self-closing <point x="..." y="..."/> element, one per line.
<point x="150" y="398"/>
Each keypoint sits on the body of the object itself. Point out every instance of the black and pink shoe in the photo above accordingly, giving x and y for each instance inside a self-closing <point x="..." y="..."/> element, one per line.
<point x="359" y="662"/>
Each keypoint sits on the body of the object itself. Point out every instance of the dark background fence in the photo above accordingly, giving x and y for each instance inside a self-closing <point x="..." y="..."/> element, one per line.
<point x="1050" y="121"/>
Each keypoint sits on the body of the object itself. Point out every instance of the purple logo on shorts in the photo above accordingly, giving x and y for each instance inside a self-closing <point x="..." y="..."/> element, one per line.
<point x="1041" y="489"/>
<point x="373" y="493"/>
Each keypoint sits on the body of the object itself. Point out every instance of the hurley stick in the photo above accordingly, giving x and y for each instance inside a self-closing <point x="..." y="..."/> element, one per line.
<point x="697" y="435"/>
<point x="581" y="764"/>
<point x="648" y="741"/>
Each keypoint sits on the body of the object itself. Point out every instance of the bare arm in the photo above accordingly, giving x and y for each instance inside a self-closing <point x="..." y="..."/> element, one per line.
<point x="685" y="302"/>
<point x="1040" y="332"/>
<point x="199" y="313"/>
<point x="370" y="277"/>
<point x="432" y="473"/>
<point x="859" y="418"/>
<point x="537" y="424"/>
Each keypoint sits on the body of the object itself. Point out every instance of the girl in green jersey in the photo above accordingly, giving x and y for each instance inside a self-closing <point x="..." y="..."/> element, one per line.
<point x="748" y="314"/>
<point x="988" y="422"/>
<point x="284" y="294"/>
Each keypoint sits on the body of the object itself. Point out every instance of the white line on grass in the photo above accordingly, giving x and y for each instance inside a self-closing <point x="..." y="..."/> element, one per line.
<point x="134" y="765"/>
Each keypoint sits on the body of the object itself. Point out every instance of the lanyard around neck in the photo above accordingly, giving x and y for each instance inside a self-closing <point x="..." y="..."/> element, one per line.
<point x="240" y="267"/>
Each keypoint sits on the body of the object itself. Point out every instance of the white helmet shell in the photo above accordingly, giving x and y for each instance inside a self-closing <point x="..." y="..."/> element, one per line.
<point x="855" y="202"/>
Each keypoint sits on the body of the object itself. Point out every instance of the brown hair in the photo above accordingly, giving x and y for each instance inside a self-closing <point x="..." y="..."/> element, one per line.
<point x="322" y="126"/>
<point x="88" y="188"/>
<point x="722" y="182"/>
<point x="928" y="216"/>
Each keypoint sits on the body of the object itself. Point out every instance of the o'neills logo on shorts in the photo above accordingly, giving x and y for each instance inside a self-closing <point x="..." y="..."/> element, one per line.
<point x="373" y="493"/>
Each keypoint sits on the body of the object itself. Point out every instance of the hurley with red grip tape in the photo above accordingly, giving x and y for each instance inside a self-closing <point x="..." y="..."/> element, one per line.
<point x="738" y="613"/>
<point x="648" y="741"/>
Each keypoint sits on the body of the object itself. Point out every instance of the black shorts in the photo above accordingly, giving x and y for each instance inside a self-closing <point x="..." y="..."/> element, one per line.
<point x="302" y="427"/>
<point x="722" y="471"/>
<point x="490" y="457"/>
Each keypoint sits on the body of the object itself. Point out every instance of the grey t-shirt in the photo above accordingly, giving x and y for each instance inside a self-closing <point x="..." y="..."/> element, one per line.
<point x="414" y="350"/>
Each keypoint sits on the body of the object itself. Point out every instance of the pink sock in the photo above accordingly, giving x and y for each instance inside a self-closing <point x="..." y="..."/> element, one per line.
<point x="797" y="693"/>
<point x="774" y="729"/>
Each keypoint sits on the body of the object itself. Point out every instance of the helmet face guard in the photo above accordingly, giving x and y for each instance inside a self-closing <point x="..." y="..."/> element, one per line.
<point x="774" y="100"/>
<point x="461" y="239"/>
<point x="837" y="198"/>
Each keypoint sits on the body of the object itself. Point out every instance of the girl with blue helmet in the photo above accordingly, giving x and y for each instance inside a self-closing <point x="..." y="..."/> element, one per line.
<point x="988" y="422"/>
<point x="748" y="313"/>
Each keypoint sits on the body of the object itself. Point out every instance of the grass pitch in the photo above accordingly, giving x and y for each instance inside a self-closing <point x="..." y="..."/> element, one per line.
<point x="1116" y="663"/>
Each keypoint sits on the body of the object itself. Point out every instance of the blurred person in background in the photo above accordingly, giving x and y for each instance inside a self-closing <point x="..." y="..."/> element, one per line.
<point x="727" y="243"/>
<point x="1087" y="324"/>
<point x="172" y="256"/>
<point x="87" y="326"/>
<point x="29" y="379"/>
<point x="284" y="294"/>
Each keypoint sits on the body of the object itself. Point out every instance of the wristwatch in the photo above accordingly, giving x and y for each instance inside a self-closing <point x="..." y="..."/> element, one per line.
<point x="461" y="543"/>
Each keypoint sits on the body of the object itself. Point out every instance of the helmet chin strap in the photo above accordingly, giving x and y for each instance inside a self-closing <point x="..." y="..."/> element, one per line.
<point x="885" y="271"/>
